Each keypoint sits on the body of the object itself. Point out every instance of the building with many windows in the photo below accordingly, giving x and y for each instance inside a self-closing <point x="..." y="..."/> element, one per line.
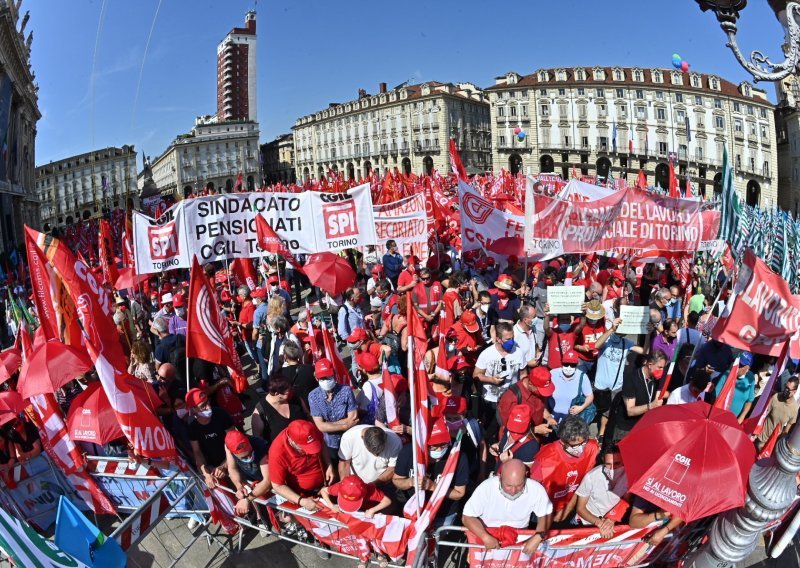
<point x="85" y="186"/>
<point x="615" y="121"/>
<point x="236" y="73"/>
<point x="278" y="157"/>
<point x="19" y="113"/>
<point x="407" y="128"/>
<point x="212" y="155"/>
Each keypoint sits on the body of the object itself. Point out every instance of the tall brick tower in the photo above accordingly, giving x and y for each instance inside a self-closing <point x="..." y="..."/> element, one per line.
<point x="236" y="73"/>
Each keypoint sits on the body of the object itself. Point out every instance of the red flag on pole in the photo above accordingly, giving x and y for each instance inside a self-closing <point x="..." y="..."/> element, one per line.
<point x="455" y="161"/>
<point x="244" y="271"/>
<point x="208" y="335"/>
<point x="270" y="242"/>
<point x="105" y="250"/>
<point x="769" y="447"/>
<point x="725" y="397"/>
<point x="332" y="354"/>
<point x="673" y="181"/>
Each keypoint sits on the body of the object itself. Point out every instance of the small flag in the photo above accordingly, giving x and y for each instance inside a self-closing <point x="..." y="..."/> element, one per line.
<point x="77" y="536"/>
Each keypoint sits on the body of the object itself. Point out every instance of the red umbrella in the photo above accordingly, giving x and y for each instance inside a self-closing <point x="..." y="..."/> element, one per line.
<point x="90" y="417"/>
<point x="128" y="279"/>
<point x="51" y="366"/>
<point x="11" y="405"/>
<point x="10" y="362"/>
<point x="330" y="272"/>
<point x="674" y="451"/>
<point x="508" y="246"/>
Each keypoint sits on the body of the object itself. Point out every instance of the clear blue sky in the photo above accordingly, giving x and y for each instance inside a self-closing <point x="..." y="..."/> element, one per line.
<point x="314" y="52"/>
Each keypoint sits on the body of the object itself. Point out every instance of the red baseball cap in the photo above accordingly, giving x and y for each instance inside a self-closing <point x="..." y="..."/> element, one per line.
<point x="273" y="279"/>
<point x="439" y="433"/>
<point x="304" y="434"/>
<point x="178" y="301"/>
<point x="481" y="264"/>
<point x="490" y="260"/>
<point x="368" y="362"/>
<point x="260" y="293"/>
<point x="323" y="369"/>
<point x="358" y="334"/>
<point x="540" y="378"/>
<point x="570" y="357"/>
<point x="519" y="420"/>
<point x="377" y="269"/>
<point x="455" y="405"/>
<point x="412" y="259"/>
<point x="457" y="363"/>
<point x="237" y="442"/>
<point x="352" y="491"/>
<point x="470" y="321"/>
<point x="195" y="397"/>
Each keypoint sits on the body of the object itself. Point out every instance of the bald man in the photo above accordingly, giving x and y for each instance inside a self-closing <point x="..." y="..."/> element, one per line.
<point x="508" y="500"/>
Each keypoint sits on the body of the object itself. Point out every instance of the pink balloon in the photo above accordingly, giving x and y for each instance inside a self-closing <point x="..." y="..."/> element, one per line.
<point x="517" y="130"/>
<point x="684" y="66"/>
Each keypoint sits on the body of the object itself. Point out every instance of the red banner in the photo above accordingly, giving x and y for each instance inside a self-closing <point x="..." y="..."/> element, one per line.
<point x="105" y="250"/>
<point x="145" y="431"/>
<point x="626" y="219"/>
<point x="764" y="313"/>
<point x="42" y="293"/>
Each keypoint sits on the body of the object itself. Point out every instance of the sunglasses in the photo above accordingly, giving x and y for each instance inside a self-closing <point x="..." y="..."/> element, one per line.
<point x="570" y="365"/>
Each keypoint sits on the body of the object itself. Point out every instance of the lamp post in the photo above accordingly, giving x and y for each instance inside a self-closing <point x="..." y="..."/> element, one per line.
<point x="759" y="65"/>
<point x="771" y="489"/>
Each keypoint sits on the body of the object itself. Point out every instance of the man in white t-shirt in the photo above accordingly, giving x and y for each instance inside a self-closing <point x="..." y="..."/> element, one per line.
<point x="499" y="366"/>
<point x="508" y="500"/>
<point x="601" y="491"/>
<point x="524" y="334"/>
<point x="370" y="452"/>
<point x="693" y="391"/>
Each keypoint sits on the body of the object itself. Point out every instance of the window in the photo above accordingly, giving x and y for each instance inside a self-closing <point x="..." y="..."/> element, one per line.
<point x="639" y="94"/>
<point x="543" y="92"/>
<point x="584" y="141"/>
<point x="524" y="110"/>
<point x="502" y="140"/>
<point x="601" y="92"/>
<point x="737" y="107"/>
<point x="715" y="84"/>
<point x="683" y="151"/>
<point x="662" y="148"/>
<point x="659" y="95"/>
<point x="562" y="92"/>
<point x="699" y="153"/>
<point x="763" y="131"/>
<point x="657" y="77"/>
<point x="738" y="162"/>
<point x="637" y="76"/>
<point x="580" y="75"/>
<point x="603" y="143"/>
<point x="678" y="97"/>
<point x="763" y="113"/>
<point x="765" y="168"/>
<point x="562" y="109"/>
<point x="695" y="81"/>
<point x="513" y="110"/>
<point x="717" y="103"/>
<point x="582" y="110"/>
<point x="545" y="110"/>
<point x="737" y="125"/>
<point x="698" y="100"/>
<point x="622" y="110"/>
<point x="752" y="164"/>
<point x="752" y="129"/>
<point x="641" y="112"/>
<point x="680" y="117"/>
<point x="581" y="91"/>
<point x="719" y="122"/>
<point x="501" y="111"/>
<point x="602" y="110"/>
<point x="618" y="75"/>
<point x="661" y="113"/>
<point x="620" y="93"/>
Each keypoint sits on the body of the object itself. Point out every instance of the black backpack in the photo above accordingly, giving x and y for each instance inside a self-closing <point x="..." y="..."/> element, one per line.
<point x="178" y="357"/>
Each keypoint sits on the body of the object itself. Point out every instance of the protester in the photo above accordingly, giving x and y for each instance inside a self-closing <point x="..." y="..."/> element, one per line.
<point x="743" y="389"/>
<point x="571" y="385"/>
<point x="350" y="315"/>
<point x="369" y="452"/>
<point x="207" y="436"/>
<point x="246" y="458"/>
<point x="781" y="412"/>
<point x="639" y="393"/>
<point x="603" y="496"/>
<point x="276" y="410"/>
<point x="518" y="440"/>
<point x="353" y="495"/>
<point x="696" y="389"/>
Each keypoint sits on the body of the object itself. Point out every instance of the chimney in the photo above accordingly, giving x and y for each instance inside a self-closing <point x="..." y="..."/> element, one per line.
<point x="383" y="88"/>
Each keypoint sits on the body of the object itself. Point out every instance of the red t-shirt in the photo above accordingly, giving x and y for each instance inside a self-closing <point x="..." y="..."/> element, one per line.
<point x="405" y="278"/>
<point x="589" y="336"/>
<point x="467" y="342"/>
<point x="604" y="276"/>
<point x="372" y="497"/>
<point x="386" y="311"/>
<point x="561" y="473"/>
<point x="246" y="313"/>
<point x="301" y="472"/>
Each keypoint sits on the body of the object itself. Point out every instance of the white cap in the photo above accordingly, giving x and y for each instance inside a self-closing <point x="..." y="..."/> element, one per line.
<point x="302" y="315"/>
<point x="166" y="298"/>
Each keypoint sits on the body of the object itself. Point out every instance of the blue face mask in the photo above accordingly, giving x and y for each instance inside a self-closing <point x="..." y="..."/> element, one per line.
<point x="248" y="459"/>
<point x="564" y="327"/>
<point x="508" y="345"/>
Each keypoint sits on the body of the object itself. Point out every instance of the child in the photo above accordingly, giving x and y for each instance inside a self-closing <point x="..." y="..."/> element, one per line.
<point x="353" y="495"/>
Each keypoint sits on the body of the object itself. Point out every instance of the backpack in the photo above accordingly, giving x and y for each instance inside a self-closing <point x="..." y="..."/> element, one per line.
<point x="177" y="357"/>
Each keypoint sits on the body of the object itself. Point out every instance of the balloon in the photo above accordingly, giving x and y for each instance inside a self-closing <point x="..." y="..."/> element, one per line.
<point x="676" y="61"/>
<point x="521" y="136"/>
<point x="517" y="130"/>
<point x="684" y="66"/>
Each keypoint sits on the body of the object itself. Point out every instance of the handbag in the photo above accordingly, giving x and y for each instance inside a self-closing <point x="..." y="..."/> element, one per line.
<point x="589" y="413"/>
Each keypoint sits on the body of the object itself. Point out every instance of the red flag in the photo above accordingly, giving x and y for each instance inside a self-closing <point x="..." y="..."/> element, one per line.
<point x="42" y="290"/>
<point x="725" y="397"/>
<point x="420" y="403"/>
<point x="208" y="335"/>
<point x="456" y="164"/>
<point x="442" y="372"/>
<point x="641" y="180"/>
<point x="673" y="181"/>
<point x="390" y="397"/>
<point x="332" y="354"/>
<point x="764" y="313"/>
<point x="270" y="242"/>
<point x="769" y="447"/>
<point x="237" y="187"/>
<point x="105" y="245"/>
<point x="245" y="273"/>
<point x="145" y="431"/>
<point x="688" y="192"/>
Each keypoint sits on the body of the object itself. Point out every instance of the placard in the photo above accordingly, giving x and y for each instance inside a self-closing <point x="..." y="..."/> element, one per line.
<point x="635" y="320"/>
<point x="566" y="299"/>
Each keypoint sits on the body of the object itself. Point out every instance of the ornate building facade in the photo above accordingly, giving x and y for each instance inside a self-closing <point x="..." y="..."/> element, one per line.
<point x="616" y="121"/>
<point x="79" y="187"/>
<point x="278" y="157"/>
<point x="19" y="113"/>
<point x="407" y="128"/>
<point x="211" y="155"/>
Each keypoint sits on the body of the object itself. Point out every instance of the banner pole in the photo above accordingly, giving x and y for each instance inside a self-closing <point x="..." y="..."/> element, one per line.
<point x="412" y="372"/>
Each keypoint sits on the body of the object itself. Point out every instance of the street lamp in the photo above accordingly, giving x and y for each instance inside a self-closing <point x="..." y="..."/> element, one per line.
<point x="760" y="66"/>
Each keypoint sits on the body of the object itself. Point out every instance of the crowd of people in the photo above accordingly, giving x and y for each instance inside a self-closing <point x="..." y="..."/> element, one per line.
<point x="542" y="399"/>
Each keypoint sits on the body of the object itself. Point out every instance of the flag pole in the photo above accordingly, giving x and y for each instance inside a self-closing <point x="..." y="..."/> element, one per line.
<point x="412" y="372"/>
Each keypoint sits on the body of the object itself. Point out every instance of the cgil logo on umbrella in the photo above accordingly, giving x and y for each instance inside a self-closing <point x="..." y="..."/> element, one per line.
<point x="677" y="469"/>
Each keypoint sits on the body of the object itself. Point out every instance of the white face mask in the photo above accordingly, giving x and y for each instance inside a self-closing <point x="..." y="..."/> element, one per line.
<point x="181" y="413"/>
<point x="204" y="413"/>
<point x="509" y="496"/>
<point x="327" y="384"/>
<point x="576" y="451"/>
<point x="485" y="308"/>
<point x="438" y="454"/>
<point x="180" y="312"/>
<point x="612" y="474"/>
<point x="568" y="371"/>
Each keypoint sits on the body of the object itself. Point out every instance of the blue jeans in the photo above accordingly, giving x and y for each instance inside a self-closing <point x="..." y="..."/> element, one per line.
<point x="262" y="368"/>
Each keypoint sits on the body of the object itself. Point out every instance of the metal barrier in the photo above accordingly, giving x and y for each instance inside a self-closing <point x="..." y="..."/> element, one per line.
<point x="269" y="524"/>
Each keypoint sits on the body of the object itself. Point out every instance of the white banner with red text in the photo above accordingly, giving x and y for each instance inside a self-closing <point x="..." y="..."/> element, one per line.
<point x="406" y="222"/>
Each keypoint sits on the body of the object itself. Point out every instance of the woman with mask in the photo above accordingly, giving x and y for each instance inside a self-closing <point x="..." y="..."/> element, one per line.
<point x="177" y="323"/>
<point x="142" y="365"/>
<point x="277" y="410"/>
<point x="505" y="300"/>
<point x="333" y="408"/>
<point x="568" y="380"/>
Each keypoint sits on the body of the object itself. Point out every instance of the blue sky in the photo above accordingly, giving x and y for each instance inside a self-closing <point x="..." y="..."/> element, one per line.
<point x="313" y="52"/>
